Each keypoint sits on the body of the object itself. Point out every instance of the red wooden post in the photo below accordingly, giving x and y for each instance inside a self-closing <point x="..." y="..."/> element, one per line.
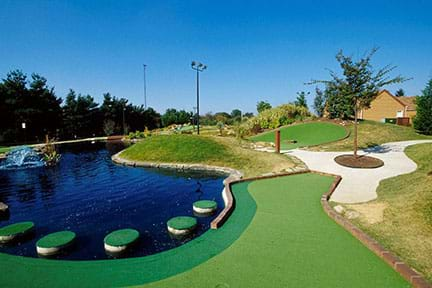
<point x="277" y="141"/>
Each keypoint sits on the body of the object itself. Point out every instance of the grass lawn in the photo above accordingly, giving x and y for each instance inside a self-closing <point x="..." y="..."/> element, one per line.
<point x="306" y="134"/>
<point x="218" y="151"/>
<point x="401" y="217"/>
<point x="373" y="133"/>
<point x="291" y="242"/>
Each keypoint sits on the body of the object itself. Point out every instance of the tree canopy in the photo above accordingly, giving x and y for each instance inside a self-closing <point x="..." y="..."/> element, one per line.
<point x="423" y="119"/>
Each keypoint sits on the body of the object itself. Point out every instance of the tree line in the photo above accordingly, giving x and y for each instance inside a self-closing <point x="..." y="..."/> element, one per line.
<point x="30" y="109"/>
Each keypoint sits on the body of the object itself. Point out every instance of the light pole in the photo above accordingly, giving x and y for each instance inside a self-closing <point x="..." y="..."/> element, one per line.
<point x="124" y="124"/>
<point x="198" y="67"/>
<point x="145" y="87"/>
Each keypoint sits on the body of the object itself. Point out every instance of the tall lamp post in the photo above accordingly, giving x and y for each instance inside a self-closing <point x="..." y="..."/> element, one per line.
<point x="198" y="67"/>
<point x="145" y="87"/>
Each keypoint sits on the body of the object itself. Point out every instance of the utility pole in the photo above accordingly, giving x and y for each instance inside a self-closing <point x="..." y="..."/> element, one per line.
<point x="145" y="87"/>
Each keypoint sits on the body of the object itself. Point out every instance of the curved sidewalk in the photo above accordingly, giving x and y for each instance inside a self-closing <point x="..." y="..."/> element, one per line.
<point x="359" y="185"/>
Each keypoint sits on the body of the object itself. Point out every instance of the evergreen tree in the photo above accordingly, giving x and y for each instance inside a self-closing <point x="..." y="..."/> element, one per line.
<point x="423" y="119"/>
<point x="301" y="99"/>
<point x="400" y="92"/>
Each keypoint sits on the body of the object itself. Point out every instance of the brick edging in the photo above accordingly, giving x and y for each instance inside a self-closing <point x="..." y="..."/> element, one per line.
<point x="414" y="278"/>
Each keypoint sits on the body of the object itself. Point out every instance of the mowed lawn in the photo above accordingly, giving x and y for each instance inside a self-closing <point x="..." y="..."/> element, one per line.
<point x="305" y="134"/>
<point x="291" y="242"/>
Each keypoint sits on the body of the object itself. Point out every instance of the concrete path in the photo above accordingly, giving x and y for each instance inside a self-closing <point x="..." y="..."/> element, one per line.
<point x="359" y="185"/>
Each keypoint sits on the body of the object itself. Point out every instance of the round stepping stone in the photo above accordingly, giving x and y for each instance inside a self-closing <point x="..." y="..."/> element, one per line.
<point x="204" y="206"/>
<point x="55" y="243"/>
<point x="119" y="240"/>
<point x="14" y="231"/>
<point x="181" y="225"/>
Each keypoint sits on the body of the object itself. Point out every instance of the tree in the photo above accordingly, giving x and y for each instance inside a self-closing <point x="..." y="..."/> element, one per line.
<point x="236" y="115"/>
<point x="301" y="99"/>
<point x="263" y="105"/>
<point x="359" y="85"/>
<point x="319" y="102"/>
<point x="400" y="92"/>
<point x="423" y="119"/>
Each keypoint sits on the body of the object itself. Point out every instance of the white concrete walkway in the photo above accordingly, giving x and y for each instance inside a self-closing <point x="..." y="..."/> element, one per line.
<point x="359" y="185"/>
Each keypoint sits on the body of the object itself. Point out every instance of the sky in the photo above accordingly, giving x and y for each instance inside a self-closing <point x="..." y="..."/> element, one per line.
<point x="254" y="50"/>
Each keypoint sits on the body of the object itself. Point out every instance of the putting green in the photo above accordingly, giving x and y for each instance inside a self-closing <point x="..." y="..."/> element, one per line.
<point x="291" y="242"/>
<point x="306" y="134"/>
<point x="285" y="241"/>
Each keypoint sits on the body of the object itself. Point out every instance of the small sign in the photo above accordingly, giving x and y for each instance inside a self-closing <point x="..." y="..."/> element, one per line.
<point x="23" y="125"/>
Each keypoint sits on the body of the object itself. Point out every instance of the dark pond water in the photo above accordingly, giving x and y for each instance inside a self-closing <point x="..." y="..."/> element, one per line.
<point x="88" y="194"/>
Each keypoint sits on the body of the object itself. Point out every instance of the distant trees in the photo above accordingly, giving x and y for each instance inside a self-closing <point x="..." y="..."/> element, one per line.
<point x="34" y="103"/>
<point x="27" y="101"/>
<point x="263" y="105"/>
<point x="172" y="116"/>
<point x="319" y="102"/>
<point x="400" y="92"/>
<point x="423" y="119"/>
<point x="358" y="86"/>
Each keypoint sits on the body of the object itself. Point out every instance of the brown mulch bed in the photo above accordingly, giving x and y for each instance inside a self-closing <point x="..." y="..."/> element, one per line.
<point x="365" y="162"/>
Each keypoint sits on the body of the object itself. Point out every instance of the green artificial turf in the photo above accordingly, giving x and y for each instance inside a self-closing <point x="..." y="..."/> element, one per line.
<point x="17" y="228"/>
<point x="182" y="222"/>
<point x="57" y="239"/>
<point x="291" y="242"/>
<point x="306" y="134"/>
<point x="32" y="272"/>
<point x="121" y="237"/>
<point x="205" y="204"/>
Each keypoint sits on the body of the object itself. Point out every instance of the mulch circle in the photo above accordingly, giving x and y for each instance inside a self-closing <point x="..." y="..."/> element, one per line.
<point x="365" y="162"/>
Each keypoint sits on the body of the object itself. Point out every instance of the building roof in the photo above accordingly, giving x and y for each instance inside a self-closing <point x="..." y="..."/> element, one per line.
<point x="409" y="101"/>
<point x="406" y="101"/>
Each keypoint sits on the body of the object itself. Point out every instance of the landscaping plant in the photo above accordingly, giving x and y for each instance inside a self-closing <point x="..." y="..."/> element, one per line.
<point x="423" y="119"/>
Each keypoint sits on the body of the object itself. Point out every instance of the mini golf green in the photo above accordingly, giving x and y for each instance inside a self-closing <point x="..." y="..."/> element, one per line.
<point x="305" y="134"/>
<point x="11" y="232"/>
<point x="279" y="238"/>
<point x="121" y="237"/>
<point x="204" y="206"/>
<point x="54" y="243"/>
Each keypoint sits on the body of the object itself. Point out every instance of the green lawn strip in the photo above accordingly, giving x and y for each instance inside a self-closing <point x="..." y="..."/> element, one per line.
<point x="177" y="148"/>
<point x="291" y="242"/>
<point x="372" y="133"/>
<point x="31" y="272"/>
<point x="306" y="134"/>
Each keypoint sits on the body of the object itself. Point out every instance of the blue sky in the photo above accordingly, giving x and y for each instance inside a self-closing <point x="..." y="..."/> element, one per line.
<point x="255" y="50"/>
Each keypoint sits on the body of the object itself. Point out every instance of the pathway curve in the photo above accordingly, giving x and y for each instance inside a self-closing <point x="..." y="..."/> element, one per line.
<point x="360" y="185"/>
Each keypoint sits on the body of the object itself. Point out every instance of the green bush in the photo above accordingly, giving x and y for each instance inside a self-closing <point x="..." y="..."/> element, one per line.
<point x="275" y="117"/>
<point x="136" y="135"/>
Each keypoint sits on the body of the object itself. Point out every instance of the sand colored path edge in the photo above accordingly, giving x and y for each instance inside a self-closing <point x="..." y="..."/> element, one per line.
<point x="360" y="185"/>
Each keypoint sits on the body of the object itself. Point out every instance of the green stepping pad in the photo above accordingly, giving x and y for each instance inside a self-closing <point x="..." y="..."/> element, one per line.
<point x="204" y="206"/>
<point x="53" y="243"/>
<point x="11" y="232"/>
<point x="120" y="240"/>
<point x="181" y="225"/>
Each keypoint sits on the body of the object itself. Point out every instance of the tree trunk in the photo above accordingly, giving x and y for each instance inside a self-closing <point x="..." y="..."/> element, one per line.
<point x="355" y="130"/>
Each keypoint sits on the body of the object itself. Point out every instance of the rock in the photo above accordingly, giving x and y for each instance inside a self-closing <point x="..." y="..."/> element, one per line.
<point x="339" y="209"/>
<point x="352" y="214"/>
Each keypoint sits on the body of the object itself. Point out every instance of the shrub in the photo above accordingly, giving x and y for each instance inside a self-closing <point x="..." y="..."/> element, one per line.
<point x="275" y="117"/>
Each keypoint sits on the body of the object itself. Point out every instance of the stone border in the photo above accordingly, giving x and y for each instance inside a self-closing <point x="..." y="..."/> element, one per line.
<point x="408" y="273"/>
<point x="227" y="196"/>
<point x="412" y="276"/>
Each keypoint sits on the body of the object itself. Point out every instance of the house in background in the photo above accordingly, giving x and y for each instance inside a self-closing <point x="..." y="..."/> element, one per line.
<point x="387" y="106"/>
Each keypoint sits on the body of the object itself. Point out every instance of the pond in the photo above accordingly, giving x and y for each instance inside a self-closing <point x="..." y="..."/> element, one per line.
<point x="90" y="195"/>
